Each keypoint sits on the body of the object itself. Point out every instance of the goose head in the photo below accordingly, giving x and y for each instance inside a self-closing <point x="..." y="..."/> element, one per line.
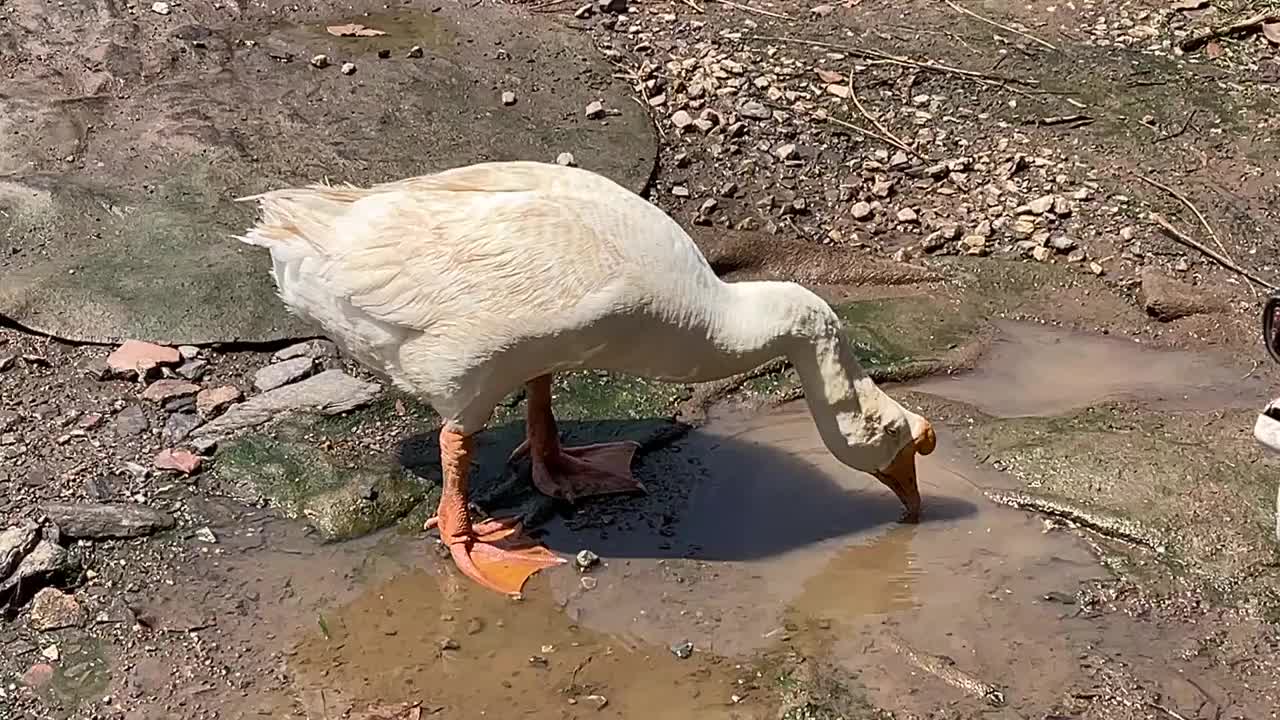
<point x="860" y="424"/>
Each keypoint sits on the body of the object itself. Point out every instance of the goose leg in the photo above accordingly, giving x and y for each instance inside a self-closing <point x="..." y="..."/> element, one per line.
<point x="494" y="553"/>
<point x="572" y="472"/>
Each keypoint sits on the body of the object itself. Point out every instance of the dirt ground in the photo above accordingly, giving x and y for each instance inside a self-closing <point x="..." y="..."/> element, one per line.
<point x="968" y="193"/>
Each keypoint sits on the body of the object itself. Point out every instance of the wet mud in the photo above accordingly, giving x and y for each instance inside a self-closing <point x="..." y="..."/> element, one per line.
<point x="769" y="548"/>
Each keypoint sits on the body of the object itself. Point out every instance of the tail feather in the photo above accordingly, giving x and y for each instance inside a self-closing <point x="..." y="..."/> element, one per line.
<point x="300" y="220"/>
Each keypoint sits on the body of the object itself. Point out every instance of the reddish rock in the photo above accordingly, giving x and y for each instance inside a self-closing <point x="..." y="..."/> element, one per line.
<point x="38" y="676"/>
<point x="213" y="401"/>
<point x="165" y="390"/>
<point x="182" y="461"/>
<point x="137" y="358"/>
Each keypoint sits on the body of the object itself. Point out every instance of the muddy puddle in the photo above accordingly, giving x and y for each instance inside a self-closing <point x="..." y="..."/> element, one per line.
<point x="1037" y="370"/>
<point x="778" y="547"/>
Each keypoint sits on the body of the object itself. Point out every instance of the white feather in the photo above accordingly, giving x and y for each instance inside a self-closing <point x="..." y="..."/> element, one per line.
<point x="461" y="286"/>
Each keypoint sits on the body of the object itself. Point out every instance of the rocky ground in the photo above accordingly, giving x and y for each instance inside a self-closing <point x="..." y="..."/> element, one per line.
<point x="932" y="165"/>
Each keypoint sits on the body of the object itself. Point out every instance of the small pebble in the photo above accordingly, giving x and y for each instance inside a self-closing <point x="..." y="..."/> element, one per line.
<point x="348" y="68"/>
<point x="587" y="559"/>
<point x="595" y="110"/>
<point x="160" y="8"/>
<point x="320" y="61"/>
<point x="566" y="159"/>
<point x="414" y="52"/>
<point x="682" y="650"/>
<point x="508" y="98"/>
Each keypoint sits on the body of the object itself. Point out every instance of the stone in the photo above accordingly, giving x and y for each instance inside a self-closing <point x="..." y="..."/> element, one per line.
<point x="52" y="609"/>
<point x="754" y="110"/>
<point x="681" y="119"/>
<point x="1041" y="205"/>
<point x="178" y="426"/>
<point x="193" y="370"/>
<point x="611" y="6"/>
<point x="1022" y="228"/>
<point x="1061" y="206"/>
<point x="102" y="521"/>
<point x="136" y="358"/>
<point x="212" y="402"/>
<point x="586" y="559"/>
<point x="1062" y="243"/>
<point x="320" y="61"/>
<point x="907" y="215"/>
<point x="9" y="420"/>
<point x="508" y="98"/>
<point x="164" y="390"/>
<point x="282" y="373"/>
<point x="1166" y="298"/>
<point x="682" y="650"/>
<point x="899" y="160"/>
<point x="566" y="159"/>
<point x="861" y="210"/>
<point x="414" y="52"/>
<point x="38" y="675"/>
<point x="1041" y="253"/>
<point x="160" y="8"/>
<point x="934" y="241"/>
<point x="130" y="422"/>
<point x="331" y="392"/>
<point x="47" y="564"/>
<point x="183" y="461"/>
<point x="882" y="188"/>
<point x="314" y="349"/>
<point x="785" y="151"/>
<point x="348" y="68"/>
<point x="594" y="110"/>
<point x="15" y="542"/>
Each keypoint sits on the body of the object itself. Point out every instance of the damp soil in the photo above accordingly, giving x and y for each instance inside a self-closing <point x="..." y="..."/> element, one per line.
<point x="778" y="551"/>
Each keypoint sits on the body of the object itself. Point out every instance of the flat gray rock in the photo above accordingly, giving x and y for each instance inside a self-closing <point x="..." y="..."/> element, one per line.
<point x="282" y="373"/>
<point x="122" y="149"/>
<point x="329" y="393"/>
<point x="15" y="542"/>
<point x="102" y="521"/>
<point x="47" y="564"/>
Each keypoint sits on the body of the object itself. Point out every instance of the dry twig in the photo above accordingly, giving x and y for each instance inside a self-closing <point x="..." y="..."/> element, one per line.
<point x="865" y="132"/>
<point x="756" y="10"/>
<point x="693" y="5"/>
<point x="895" y="140"/>
<point x="985" y="78"/>
<point x="993" y="23"/>
<point x="1250" y="24"/>
<point x="1199" y="215"/>
<point x="1183" y="238"/>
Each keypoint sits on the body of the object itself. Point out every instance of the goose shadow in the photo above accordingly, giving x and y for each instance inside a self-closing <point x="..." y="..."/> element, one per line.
<point x="708" y="496"/>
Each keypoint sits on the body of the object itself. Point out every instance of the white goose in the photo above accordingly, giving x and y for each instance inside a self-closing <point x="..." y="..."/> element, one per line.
<point x="459" y="287"/>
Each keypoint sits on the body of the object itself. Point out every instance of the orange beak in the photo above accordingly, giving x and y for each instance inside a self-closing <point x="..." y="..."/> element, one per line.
<point x="900" y="476"/>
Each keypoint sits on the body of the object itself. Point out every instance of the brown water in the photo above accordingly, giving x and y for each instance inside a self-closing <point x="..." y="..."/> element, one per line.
<point x="1037" y="370"/>
<point x="778" y="546"/>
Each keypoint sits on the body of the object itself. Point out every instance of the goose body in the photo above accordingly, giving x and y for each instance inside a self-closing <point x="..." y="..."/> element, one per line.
<point x="461" y="286"/>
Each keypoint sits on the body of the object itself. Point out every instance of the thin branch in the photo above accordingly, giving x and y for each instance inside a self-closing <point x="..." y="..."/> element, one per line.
<point x="931" y="65"/>
<point x="1202" y="38"/>
<point x="1167" y="711"/>
<point x="993" y="23"/>
<point x="693" y="5"/>
<point x="1190" y="206"/>
<point x="867" y="133"/>
<point x="853" y="95"/>
<point x="1183" y="238"/>
<point x="756" y="10"/>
